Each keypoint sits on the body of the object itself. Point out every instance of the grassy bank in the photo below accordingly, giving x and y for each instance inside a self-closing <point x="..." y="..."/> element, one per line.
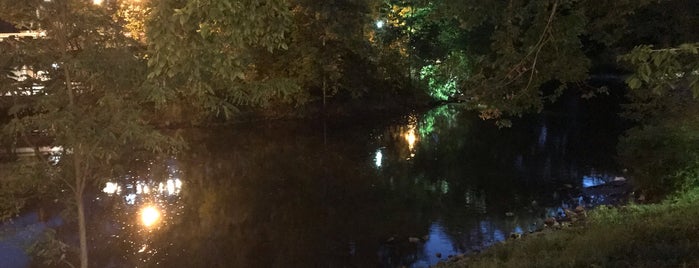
<point x="653" y="235"/>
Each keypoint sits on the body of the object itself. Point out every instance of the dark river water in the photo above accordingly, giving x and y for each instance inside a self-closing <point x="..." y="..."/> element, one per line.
<point x="390" y="192"/>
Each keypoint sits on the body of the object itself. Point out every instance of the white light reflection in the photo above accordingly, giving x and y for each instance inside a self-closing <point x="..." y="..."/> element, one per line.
<point x="378" y="158"/>
<point x="111" y="188"/>
<point x="130" y="199"/>
<point x="171" y="187"/>
<point x="379" y="24"/>
<point x="444" y="186"/>
<point x="174" y="186"/>
<point x="592" y="181"/>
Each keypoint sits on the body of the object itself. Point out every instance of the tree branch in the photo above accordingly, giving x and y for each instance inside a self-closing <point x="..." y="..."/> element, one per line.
<point x="536" y="50"/>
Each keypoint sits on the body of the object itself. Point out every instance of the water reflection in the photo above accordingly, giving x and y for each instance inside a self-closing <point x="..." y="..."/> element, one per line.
<point x="592" y="181"/>
<point x="409" y="135"/>
<point x="150" y="215"/>
<point x="378" y="158"/>
<point x="363" y="195"/>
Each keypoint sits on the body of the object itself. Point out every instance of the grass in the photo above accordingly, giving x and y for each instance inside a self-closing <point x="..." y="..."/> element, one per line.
<point x="654" y="235"/>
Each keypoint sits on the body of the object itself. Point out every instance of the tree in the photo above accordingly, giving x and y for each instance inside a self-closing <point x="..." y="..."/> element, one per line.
<point x="517" y="47"/>
<point x="330" y="53"/>
<point x="663" y="92"/>
<point x="206" y="54"/>
<point x="660" y="150"/>
<point x="94" y="83"/>
<point x="85" y="87"/>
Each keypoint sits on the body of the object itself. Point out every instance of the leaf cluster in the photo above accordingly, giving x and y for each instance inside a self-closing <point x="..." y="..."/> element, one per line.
<point x="205" y="52"/>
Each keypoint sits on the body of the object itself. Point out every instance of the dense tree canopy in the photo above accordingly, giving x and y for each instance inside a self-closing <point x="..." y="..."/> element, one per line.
<point x="206" y="52"/>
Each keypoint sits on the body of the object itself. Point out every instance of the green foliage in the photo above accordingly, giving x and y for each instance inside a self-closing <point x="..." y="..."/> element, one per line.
<point x="50" y="251"/>
<point x="442" y="78"/>
<point x="430" y="49"/>
<point x="445" y="114"/>
<point x="441" y="88"/>
<point x="656" y="153"/>
<point x="532" y="43"/>
<point x="20" y="184"/>
<point x="662" y="150"/>
<point x="519" y="46"/>
<point x="659" y="156"/>
<point x="326" y="42"/>
<point x="661" y="69"/>
<point x="205" y="53"/>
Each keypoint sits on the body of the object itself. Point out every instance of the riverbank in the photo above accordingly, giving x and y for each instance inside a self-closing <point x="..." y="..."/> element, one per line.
<point x="665" y="234"/>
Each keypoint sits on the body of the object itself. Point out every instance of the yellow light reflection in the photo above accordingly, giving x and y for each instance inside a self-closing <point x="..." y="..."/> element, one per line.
<point x="411" y="138"/>
<point x="97" y="2"/>
<point x="149" y="216"/>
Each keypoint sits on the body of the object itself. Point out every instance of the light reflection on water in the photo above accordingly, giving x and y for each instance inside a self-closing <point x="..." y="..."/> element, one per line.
<point x="136" y="208"/>
<point x="255" y="198"/>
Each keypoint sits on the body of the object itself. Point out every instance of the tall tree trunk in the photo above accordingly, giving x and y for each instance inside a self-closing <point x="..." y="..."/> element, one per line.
<point x="80" y="179"/>
<point x="82" y="229"/>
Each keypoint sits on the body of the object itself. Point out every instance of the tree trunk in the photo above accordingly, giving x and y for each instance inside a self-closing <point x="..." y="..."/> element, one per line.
<point x="324" y="94"/>
<point x="79" y="189"/>
<point x="82" y="229"/>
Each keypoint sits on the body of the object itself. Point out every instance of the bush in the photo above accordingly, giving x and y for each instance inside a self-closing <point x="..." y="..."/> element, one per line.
<point x="662" y="158"/>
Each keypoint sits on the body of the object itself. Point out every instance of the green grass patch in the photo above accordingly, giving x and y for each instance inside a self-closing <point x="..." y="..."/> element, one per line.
<point x="655" y="235"/>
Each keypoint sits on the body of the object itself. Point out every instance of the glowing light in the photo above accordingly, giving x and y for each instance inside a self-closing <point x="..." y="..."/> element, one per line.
<point x="97" y="2"/>
<point x="111" y="188"/>
<point x="379" y="24"/>
<point x="444" y="186"/>
<point x="149" y="216"/>
<point x="378" y="158"/>
<point x="170" y="187"/>
<point x="410" y="138"/>
<point x="130" y="199"/>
